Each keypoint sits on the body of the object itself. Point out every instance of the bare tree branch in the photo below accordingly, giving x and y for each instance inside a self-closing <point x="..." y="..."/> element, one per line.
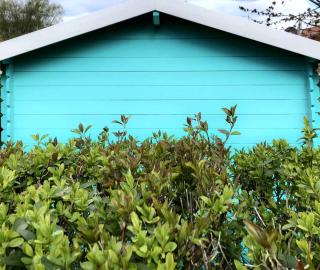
<point x="305" y="19"/>
<point x="18" y="17"/>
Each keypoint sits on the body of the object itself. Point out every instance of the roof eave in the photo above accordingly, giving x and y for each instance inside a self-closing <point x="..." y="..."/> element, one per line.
<point x="241" y="27"/>
<point x="76" y="27"/>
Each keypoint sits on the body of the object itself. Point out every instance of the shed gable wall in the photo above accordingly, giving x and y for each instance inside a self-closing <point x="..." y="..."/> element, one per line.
<point x="159" y="76"/>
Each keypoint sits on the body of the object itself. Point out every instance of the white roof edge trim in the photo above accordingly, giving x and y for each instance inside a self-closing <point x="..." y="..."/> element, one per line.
<point x="179" y="8"/>
<point x="73" y="28"/>
<point x="241" y="27"/>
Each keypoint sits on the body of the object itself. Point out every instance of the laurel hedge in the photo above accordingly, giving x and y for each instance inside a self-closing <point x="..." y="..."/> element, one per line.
<point x="113" y="202"/>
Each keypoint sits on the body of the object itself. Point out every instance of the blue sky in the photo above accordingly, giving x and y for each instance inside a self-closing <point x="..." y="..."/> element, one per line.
<point x="75" y="8"/>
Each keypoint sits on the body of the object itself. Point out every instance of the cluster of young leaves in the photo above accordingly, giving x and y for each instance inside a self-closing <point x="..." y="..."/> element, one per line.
<point x="162" y="203"/>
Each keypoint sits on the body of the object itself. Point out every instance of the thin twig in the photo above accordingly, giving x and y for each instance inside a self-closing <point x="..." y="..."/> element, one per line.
<point x="256" y="210"/>
<point x="221" y="250"/>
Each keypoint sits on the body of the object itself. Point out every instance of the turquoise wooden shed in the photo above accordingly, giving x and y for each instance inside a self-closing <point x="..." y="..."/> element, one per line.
<point x="158" y="61"/>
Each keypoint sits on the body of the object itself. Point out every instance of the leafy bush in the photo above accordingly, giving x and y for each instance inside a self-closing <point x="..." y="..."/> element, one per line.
<point x="164" y="203"/>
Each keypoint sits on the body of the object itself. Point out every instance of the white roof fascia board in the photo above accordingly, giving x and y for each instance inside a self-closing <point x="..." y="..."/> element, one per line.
<point x="241" y="27"/>
<point x="179" y="8"/>
<point x="73" y="28"/>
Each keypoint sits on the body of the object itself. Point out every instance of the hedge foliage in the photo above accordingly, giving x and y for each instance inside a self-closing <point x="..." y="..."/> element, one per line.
<point x="164" y="203"/>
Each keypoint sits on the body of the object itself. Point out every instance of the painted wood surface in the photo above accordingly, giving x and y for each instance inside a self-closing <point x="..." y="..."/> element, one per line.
<point x="313" y="81"/>
<point x="7" y="102"/>
<point x="160" y="75"/>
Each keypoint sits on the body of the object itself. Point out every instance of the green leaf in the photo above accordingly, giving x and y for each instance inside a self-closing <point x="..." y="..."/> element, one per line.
<point x="171" y="246"/>
<point x="88" y="266"/>
<point x="287" y="260"/>
<point x="113" y="256"/>
<point x="144" y="249"/>
<point x="6" y="177"/>
<point x="81" y="127"/>
<point x="170" y="264"/>
<point x="16" y="242"/>
<point x="205" y="199"/>
<point x="226" y="111"/>
<point x="35" y="137"/>
<point x="14" y="259"/>
<point x="135" y="220"/>
<point x="287" y="227"/>
<point x="27" y="249"/>
<point x="223" y="131"/>
<point x="26" y="260"/>
<point x="197" y="241"/>
<point x="87" y="128"/>
<point x="303" y="245"/>
<point x="27" y="235"/>
<point x="239" y="265"/>
<point x="49" y="265"/>
<point x="19" y="225"/>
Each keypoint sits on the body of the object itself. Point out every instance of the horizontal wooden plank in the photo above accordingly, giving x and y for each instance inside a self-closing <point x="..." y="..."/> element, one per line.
<point x="162" y="78"/>
<point x="231" y="92"/>
<point x="285" y="121"/>
<point x="161" y="64"/>
<point x="160" y="107"/>
<point x="158" y="48"/>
